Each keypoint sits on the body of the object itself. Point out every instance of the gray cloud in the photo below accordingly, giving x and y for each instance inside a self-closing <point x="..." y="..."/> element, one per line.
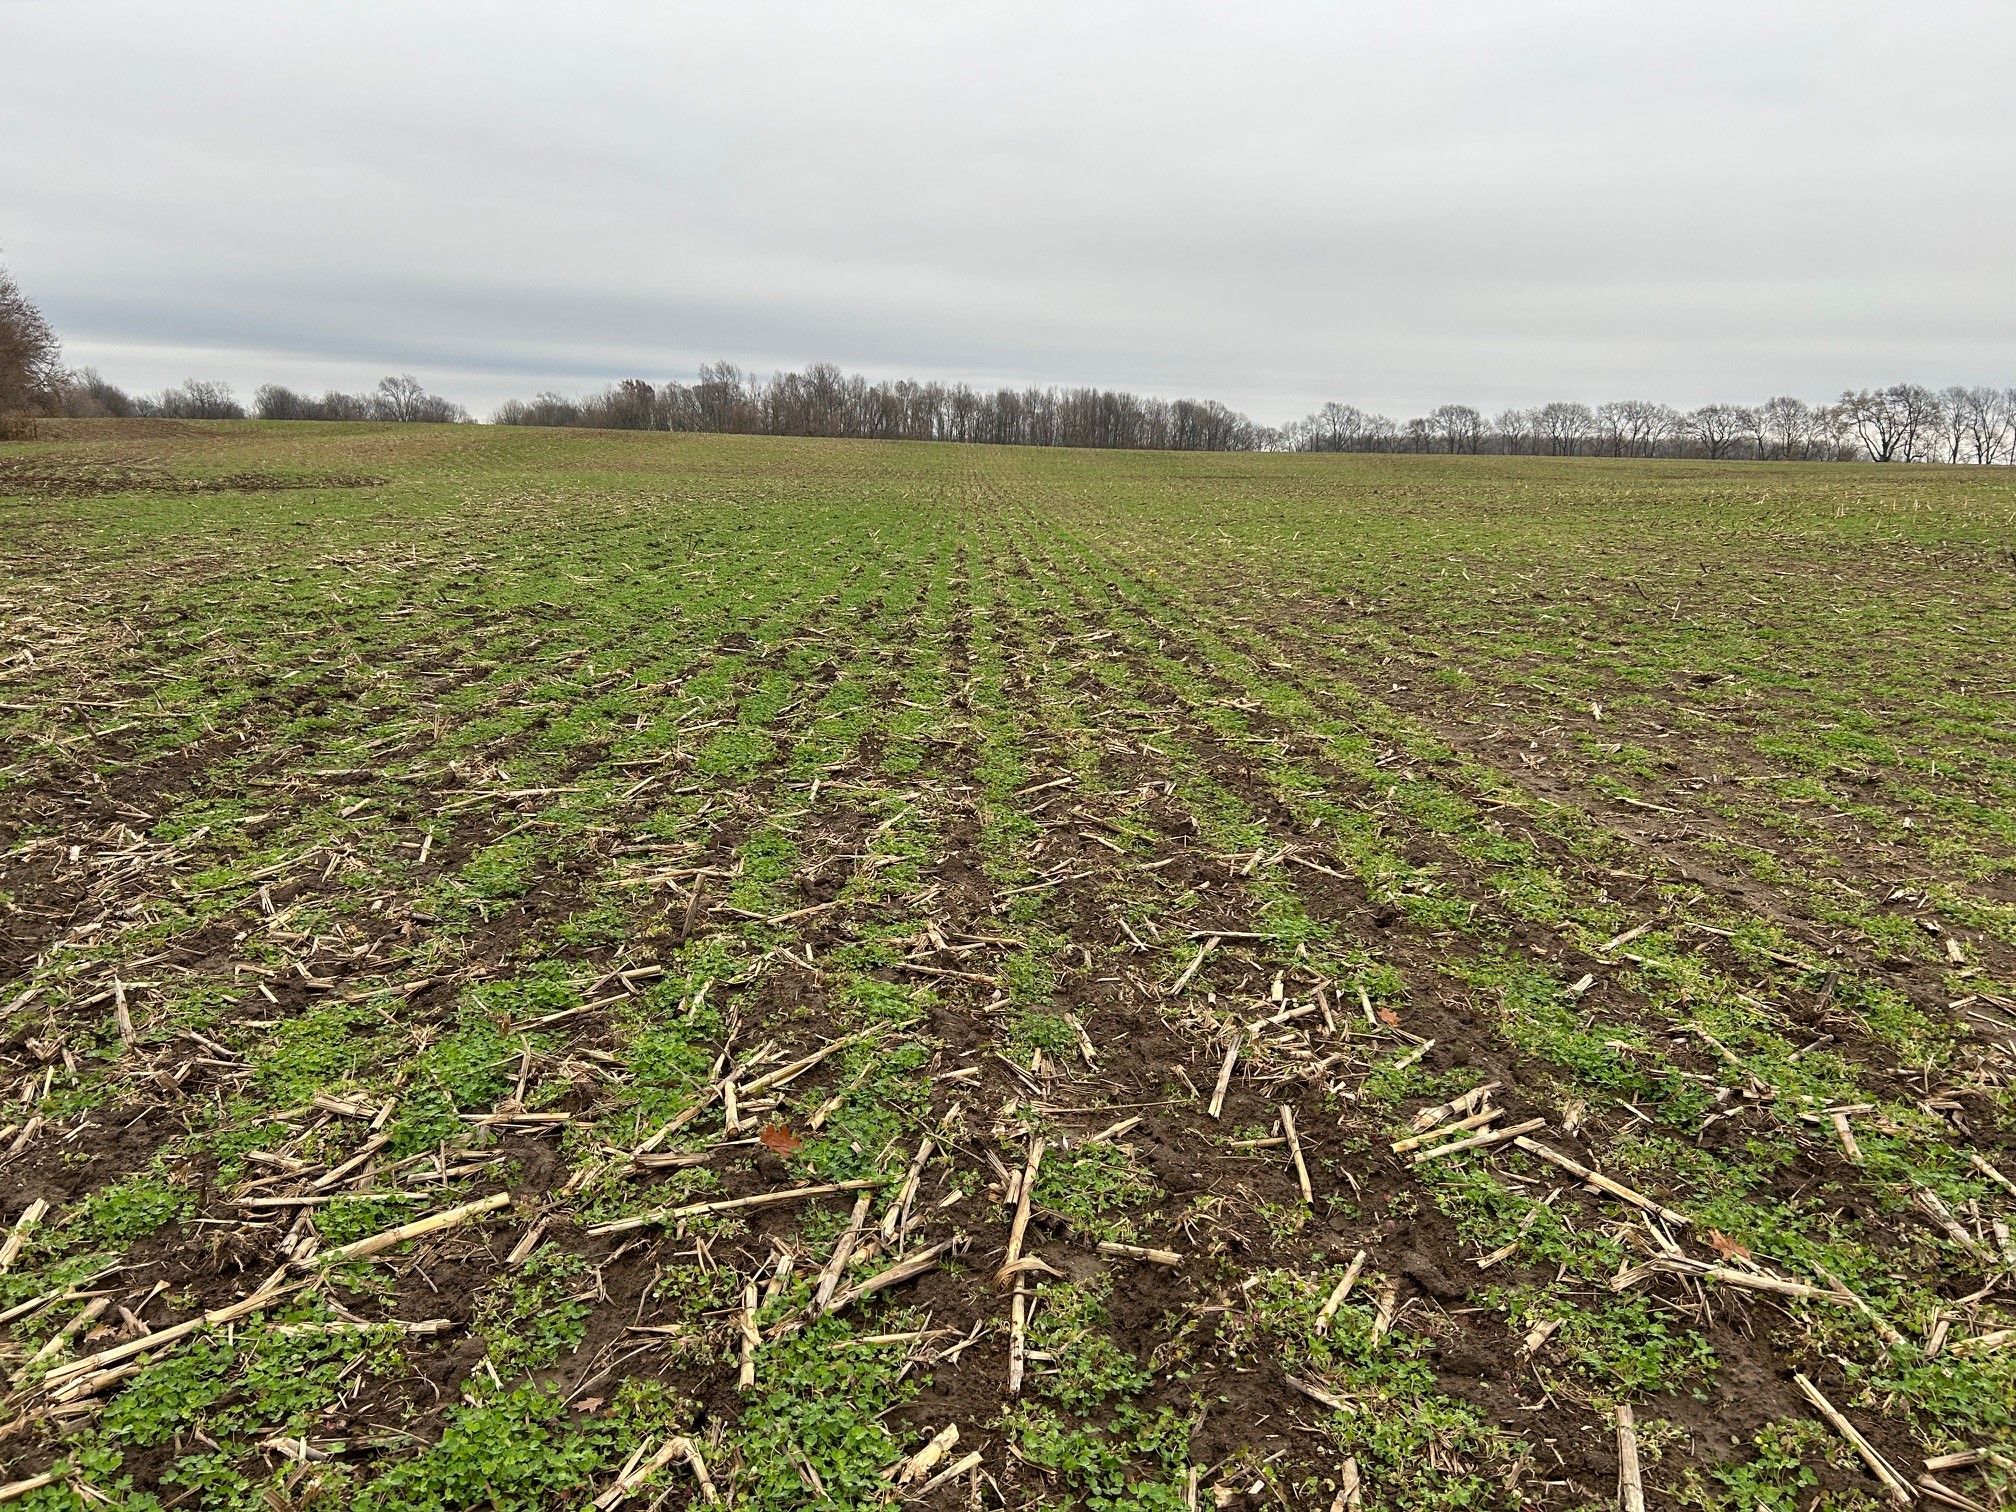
<point x="1269" y="203"/>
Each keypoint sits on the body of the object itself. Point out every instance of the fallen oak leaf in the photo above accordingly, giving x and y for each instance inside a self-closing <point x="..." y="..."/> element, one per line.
<point x="1726" y="1247"/>
<point x="780" y="1138"/>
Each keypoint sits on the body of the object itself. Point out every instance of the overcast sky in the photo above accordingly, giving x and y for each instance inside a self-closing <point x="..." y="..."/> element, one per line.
<point x="1274" y="204"/>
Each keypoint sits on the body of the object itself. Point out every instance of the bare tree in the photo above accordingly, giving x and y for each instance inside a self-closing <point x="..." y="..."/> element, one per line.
<point x="1870" y="419"/>
<point x="548" y="408"/>
<point x="30" y="358"/>
<point x="1981" y="418"/>
<point x="275" y="401"/>
<point x="1514" y="429"/>
<point x="1924" y="416"/>
<point x="1719" y="429"/>
<point x="1613" y="429"/>
<point x="399" y="398"/>
<point x="194" y="399"/>
<point x="1632" y="427"/>
<point x="1563" y="428"/>
<point x="1335" y="427"/>
<point x="1893" y="424"/>
<point x="1950" y="426"/>
<point x="402" y="398"/>
<point x="630" y="405"/>
<point x="724" y="399"/>
<point x="1996" y="409"/>
<point x="83" y="395"/>
<point x="1655" y="425"/>
<point x="1785" y="428"/>
<point x="1458" y="427"/>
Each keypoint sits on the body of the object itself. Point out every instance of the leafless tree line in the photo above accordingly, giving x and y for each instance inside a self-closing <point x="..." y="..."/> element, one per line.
<point x="1906" y="422"/>
<point x="400" y="397"/>
<point x="823" y="401"/>
<point x="34" y="383"/>
<point x="82" y="394"/>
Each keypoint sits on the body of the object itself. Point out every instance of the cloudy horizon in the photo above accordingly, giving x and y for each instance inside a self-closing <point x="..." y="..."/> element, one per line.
<point x="1272" y="206"/>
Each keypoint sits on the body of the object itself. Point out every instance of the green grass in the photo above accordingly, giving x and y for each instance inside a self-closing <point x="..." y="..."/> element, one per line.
<point x="459" y="833"/>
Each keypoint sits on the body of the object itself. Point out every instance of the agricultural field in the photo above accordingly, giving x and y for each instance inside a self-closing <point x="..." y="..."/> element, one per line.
<point x="549" y="969"/>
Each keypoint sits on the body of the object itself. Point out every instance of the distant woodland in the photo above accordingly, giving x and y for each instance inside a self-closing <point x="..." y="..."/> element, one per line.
<point x="1905" y="422"/>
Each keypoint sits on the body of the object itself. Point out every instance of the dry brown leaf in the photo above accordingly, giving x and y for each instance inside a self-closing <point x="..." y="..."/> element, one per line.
<point x="781" y="1139"/>
<point x="1726" y="1247"/>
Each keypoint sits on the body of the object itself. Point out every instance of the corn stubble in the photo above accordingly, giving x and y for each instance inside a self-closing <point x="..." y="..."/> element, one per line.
<point x="545" y="969"/>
